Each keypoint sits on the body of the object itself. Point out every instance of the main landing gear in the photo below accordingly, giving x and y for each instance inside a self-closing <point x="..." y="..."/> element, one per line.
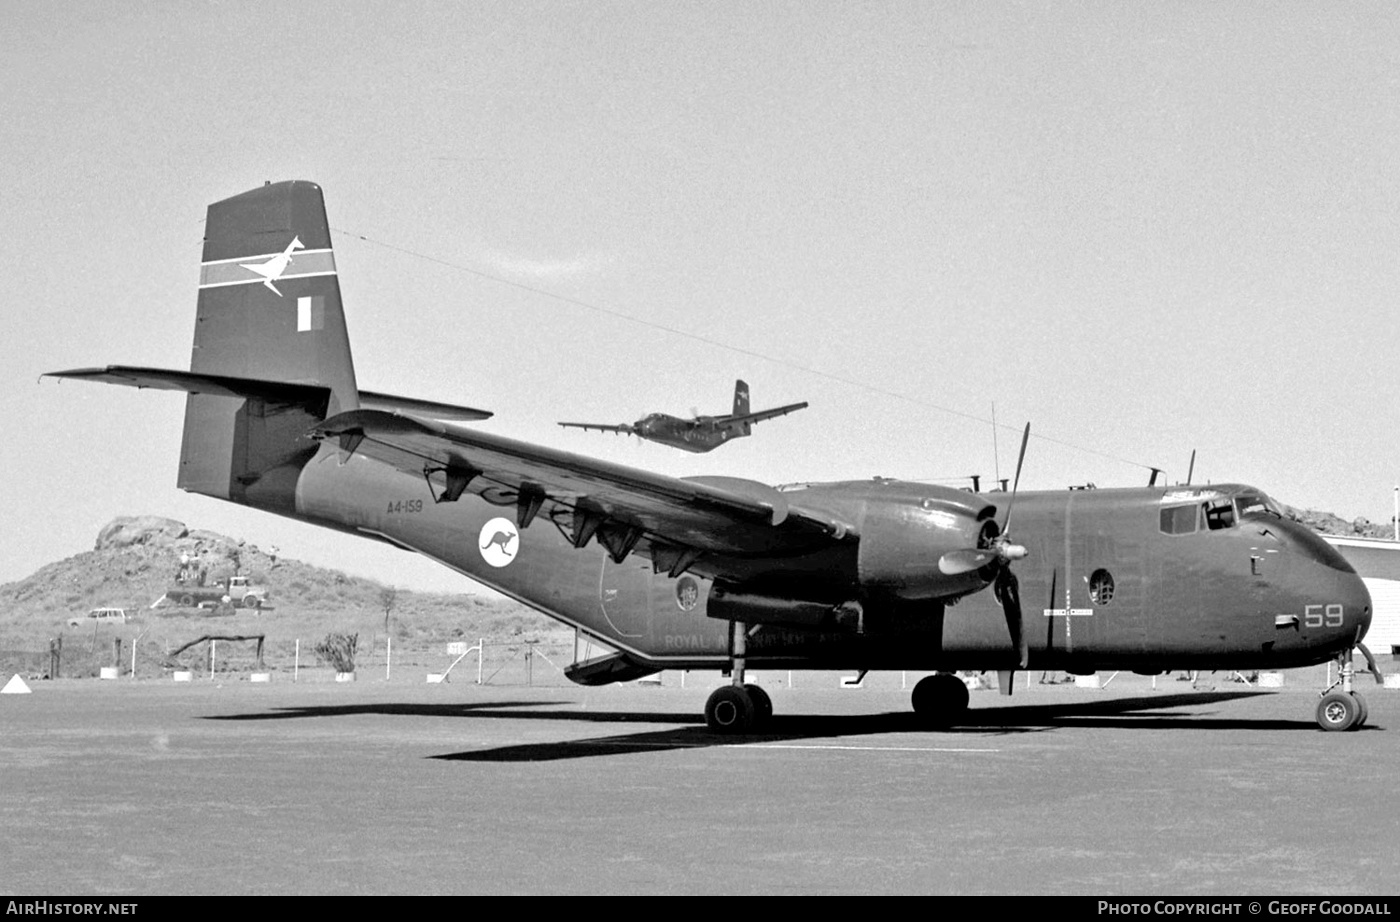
<point x="940" y="700"/>
<point x="738" y="707"/>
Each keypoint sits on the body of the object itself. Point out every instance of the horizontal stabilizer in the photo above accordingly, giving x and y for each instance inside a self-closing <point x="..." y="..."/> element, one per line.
<point x="310" y="395"/>
<point x="195" y="383"/>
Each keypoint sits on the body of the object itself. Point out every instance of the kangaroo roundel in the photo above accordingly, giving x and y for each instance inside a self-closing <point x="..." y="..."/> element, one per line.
<point x="499" y="542"/>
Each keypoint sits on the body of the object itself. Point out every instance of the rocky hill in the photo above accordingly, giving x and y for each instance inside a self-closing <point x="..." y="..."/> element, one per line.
<point x="135" y="559"/>
<point x="1329" y="524"/>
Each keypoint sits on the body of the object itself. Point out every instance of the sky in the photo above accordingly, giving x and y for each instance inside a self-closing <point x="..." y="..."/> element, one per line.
<point x="1146" y="229"/>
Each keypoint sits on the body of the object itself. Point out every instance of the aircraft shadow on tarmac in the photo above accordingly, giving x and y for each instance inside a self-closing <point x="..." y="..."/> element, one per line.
<point x="1150" y="712"/>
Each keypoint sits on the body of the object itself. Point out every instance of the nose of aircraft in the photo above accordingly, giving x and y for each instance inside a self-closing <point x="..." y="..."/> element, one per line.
<point x="1337" y="603"/>
<point x="1357" y="599"/>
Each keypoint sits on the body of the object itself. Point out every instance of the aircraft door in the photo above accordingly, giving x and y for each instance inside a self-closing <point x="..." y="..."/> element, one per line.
<point x="1098" y="606"/>
<point x="624" y="595"/>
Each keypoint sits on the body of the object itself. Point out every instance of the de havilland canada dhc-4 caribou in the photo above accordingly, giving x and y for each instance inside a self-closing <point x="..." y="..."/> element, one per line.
<point x="721" y="572"/>
<point x="699" y="433"/>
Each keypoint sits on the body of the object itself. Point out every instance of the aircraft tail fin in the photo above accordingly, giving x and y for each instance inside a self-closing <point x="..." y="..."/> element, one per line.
<point x="741" y="398"/>
<point x="269" y="310"/>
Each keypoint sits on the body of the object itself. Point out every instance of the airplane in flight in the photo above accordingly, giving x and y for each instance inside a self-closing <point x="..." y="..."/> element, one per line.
<point x="701" y="433"/>
<point x="724" y="573"/>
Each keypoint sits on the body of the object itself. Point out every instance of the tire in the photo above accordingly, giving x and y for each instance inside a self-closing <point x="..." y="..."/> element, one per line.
<point x="762" y="704"/>
<point x="251" y="601"/>
<point x="1362" y="711"/>
<point x="1337" y="711"/>
<point x="187" y="601"/>
<point x="729" y="710"/>
<point x="940" y="700"/>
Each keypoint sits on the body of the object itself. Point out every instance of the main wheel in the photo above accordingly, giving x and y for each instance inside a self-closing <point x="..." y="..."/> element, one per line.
<point x="729" y="710"/>
<point x="1337" y="711"/>
<point x="1362" y="711"/>
<point x="250" y="601"/>
<point x="762" y="704"/>
<point x="187" y="601"/>
<point x="940" y="700"/>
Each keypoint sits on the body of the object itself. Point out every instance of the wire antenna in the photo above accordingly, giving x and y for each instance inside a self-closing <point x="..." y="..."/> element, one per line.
<point x="996" y="458"/>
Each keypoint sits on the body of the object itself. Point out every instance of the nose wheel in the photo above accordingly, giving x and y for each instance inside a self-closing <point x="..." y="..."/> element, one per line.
<point x="1339" y="710"/>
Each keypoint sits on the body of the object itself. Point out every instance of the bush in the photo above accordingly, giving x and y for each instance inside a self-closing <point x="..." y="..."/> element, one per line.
<point x="339" y="650"/>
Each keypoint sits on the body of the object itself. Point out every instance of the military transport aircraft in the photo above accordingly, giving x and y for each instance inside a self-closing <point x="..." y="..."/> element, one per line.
<point x="721" y="572"/>
<point x="701" y="433"/>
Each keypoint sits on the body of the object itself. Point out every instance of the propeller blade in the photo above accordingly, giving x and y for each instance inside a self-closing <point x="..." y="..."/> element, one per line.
<point x="964" y="561"/>
<point x="1015" y="484"/>
<point x="1008" y="590"/>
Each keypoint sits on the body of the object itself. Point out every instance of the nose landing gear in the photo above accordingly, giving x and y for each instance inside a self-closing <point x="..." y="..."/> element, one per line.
<point x="1342" y="707"/>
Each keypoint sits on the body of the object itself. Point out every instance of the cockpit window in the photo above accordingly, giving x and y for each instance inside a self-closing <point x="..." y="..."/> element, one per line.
<point x="1256" y="504"/>
<point x="1219" y="513"/>
<point x="1180" y="520"/>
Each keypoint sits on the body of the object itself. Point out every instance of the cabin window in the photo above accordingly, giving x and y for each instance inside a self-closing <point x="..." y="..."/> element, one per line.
<point x="1219" y="513"/>
<point x="1179" y="520"/>
<point x="1101" y="587"/>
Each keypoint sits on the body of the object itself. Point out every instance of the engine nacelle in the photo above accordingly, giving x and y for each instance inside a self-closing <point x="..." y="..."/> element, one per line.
<point x="903" y="538"/>
<point x="756" y="605"/>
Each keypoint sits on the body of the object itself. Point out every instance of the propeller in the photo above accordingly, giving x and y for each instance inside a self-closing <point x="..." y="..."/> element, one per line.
<point x="994" y="549"/>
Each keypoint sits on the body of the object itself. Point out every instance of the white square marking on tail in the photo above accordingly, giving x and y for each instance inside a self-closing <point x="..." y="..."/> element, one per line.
<point x="311" y="313"/>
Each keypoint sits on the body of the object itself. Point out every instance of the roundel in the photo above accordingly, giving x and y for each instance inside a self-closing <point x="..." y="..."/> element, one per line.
<point x="687" y="593"/>
<point x="499" y="542"/>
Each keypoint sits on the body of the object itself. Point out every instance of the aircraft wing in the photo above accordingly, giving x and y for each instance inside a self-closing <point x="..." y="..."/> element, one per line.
<point x="374" y="400"/>
<point x="601" y="427"/>
<point x="679" y="523"/>
<point x="761" y="415"/>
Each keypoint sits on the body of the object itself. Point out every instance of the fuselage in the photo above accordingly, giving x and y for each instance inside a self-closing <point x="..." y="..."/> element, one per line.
<point x="702" y="434"/>
<point x="1147" y="579"/>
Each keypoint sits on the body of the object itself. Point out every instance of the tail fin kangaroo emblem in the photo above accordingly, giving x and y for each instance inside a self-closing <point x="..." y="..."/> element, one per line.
<point x="272" y="270"/>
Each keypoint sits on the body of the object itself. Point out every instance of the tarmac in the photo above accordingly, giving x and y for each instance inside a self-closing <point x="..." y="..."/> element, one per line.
<point x="151" y="787"/>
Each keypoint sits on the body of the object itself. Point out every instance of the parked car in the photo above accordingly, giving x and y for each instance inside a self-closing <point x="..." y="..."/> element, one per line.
<point x="100" y="616"/>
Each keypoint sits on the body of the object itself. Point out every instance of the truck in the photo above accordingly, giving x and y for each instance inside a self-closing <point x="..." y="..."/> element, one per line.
<point x="237" y="589"/>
